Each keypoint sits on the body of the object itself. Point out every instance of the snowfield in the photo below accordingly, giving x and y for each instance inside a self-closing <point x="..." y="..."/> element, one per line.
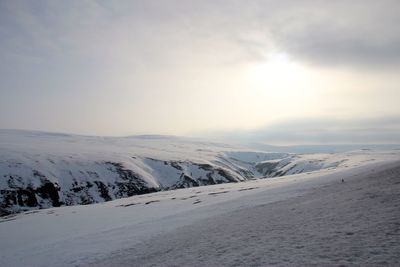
<point x="303" y="219"/>
<point x="258" y="208"/>
<point x="355" y="223"/>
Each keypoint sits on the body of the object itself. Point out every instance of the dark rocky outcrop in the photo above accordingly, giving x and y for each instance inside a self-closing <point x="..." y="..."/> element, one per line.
<point x="107" y="180"/>
<point x="130" y="183"/>
<point x="50" y="191"/>
<point x="103" y="190"/>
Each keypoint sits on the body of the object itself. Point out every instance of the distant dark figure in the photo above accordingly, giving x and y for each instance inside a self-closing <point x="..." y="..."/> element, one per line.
<point x="342" y="180"/>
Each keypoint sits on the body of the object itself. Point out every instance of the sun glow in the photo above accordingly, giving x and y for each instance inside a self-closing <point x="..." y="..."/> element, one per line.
<point x="278" y="76"/>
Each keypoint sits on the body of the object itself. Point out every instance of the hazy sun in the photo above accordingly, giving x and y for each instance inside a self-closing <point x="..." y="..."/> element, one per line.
<point x="277" y="77"/>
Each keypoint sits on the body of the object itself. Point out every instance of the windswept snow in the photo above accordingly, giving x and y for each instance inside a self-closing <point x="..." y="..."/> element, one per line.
<point x="355" y="223"/>
<point x="311" y="215"/>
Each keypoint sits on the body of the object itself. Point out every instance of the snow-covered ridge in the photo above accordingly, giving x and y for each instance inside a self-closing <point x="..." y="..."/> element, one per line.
<point x="41" y="170"/>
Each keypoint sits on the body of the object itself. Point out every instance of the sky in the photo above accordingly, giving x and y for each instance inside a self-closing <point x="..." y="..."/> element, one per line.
<point x="288" y="71"/>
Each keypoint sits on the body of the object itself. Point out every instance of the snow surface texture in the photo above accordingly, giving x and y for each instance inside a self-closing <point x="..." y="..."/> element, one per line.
<point x="340" y="224"/>
<point x="41" y="170"/>
<point x="303" y="219"/>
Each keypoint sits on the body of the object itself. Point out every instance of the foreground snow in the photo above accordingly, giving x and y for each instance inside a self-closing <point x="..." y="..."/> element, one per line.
<point x="268" y="221"/>
<point x="340" y="224"/>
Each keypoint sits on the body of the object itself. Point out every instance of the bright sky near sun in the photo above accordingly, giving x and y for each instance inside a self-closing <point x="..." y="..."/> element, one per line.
<point x="193" y="67"/>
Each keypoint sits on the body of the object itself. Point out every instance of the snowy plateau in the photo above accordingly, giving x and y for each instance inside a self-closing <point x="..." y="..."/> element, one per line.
<point x="169" y="201"/>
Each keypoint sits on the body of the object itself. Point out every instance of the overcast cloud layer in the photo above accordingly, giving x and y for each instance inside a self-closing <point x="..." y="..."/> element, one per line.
<point x="184" y="67"/>
<point x="318" y="131"/>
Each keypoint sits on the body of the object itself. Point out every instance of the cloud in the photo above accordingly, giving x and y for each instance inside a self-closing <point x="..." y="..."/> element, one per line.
<point x="110" y="59"/>
<point x="358" y="33"/>
<point x="383" y="130"/>
<point x="346" y="33"/>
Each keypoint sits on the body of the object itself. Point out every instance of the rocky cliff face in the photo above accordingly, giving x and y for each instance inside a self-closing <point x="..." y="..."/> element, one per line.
<point x="42" y="170"/>
<point x="34" y="186"/>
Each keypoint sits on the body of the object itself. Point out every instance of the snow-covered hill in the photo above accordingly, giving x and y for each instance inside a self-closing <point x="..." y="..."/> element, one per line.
<point x="308" y="219"/>
<point x="42" y="170"/>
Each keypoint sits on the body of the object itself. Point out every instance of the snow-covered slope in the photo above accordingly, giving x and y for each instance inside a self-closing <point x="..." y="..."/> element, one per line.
<point x="311" y="218"/>
<point x="42" y="170"/>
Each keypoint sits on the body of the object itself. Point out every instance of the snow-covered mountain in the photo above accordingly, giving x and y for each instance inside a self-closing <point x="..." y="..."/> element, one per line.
<point x="41" y="170"/>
